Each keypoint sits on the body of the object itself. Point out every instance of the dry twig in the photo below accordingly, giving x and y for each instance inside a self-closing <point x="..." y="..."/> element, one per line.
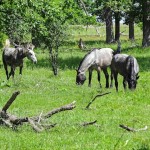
<point x="95" y="98"/>
<point x="132" y="129"/>
<point x="88" y="123"/>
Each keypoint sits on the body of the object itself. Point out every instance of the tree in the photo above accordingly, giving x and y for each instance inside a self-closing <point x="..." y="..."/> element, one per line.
<point x="132" y="16"/>
<point x="146" y="23"/>
<point x="13" y="21"/>
<point x="103" y="10"/>
<point x="44" y="21"/>
<point x="109" y="25"/>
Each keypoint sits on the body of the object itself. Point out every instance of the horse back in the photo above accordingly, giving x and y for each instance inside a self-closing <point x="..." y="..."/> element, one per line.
<point x="124" y="64"/>
<point x="119" y="64"/>
<point x="104" y="57"/>
<point x="10" y="57"/>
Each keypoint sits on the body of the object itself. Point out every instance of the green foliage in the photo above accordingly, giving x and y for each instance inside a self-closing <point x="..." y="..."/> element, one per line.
<point x="14" y="22"/>
<point x="3" y="38"/>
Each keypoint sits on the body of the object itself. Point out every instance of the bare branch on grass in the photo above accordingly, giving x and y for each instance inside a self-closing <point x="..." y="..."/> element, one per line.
<point x="88" y="123"/>
<point x="13" y="121"/>
<point x="132" y="129"/>
<point x="10" y="101"/>
<point x="95" y="98"/>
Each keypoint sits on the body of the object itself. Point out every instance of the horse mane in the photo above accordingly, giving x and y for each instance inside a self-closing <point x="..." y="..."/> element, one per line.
<point x="130" y="64"/>
<point x="86" y="56"/>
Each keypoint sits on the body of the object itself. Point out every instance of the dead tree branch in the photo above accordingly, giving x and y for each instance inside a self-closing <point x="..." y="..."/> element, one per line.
<point x="95" y="98"/>
<point x="13" y="121"/>
<point x="10" y="101"/>
<point x="132" y="129"/>
<point x="54" y="111"/>
<point x="88" y="123"/>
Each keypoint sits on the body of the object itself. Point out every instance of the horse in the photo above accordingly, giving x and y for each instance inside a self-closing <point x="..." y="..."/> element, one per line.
<point x="128" y="67"/>
<point x="13" y="57"/>
<point x="98" y="59"/>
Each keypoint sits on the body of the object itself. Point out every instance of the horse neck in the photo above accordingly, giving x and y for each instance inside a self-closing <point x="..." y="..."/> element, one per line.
<point x="86" y="63"/>
<point x="22" y="53"/>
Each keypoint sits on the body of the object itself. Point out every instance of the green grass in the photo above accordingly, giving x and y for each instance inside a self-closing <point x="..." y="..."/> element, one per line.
<point x="41" y="92"/>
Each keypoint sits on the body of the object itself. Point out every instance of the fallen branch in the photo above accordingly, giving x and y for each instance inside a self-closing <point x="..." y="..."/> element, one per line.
<point x="88" y="123"/>
<point x="54" y="111"/>
<point x="95" y="98"/>
<point x="34" y="126"/>
<point x="13" y="121"/>
<point x="10" y="101"/>
<point x="132" y="129"/>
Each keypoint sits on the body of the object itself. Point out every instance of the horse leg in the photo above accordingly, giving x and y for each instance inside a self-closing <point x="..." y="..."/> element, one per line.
<point x="6" y="70"/>
<point x="12" y="72"/>
<point x="106" y="77"/>
<point x="111" y="76"/>
<point x="124" y="83"/>
<point x="90" y="77"/>
<point x="116" y="81"/>
<point x="99" y="78"/>
<point x="20" y="71"/>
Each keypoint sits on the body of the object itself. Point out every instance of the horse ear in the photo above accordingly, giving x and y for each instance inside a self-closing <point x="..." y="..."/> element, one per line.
<point x="33" y="46"/>
<point x="137" y="77"/>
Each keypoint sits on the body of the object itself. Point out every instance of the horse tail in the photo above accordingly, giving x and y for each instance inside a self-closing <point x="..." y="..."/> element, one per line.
<point x="7" y="43"/>
<point x="118" y="51"/>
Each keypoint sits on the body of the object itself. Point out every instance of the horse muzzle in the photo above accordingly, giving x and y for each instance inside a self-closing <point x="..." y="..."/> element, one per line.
<point x="79" y="83"/>
<point x="35" y="62"/>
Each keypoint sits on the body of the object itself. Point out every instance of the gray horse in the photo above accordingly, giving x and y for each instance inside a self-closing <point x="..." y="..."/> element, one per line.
<point x="13" y="57"/>
<point x="128" y="67"/>
<point x="98" y="59"/>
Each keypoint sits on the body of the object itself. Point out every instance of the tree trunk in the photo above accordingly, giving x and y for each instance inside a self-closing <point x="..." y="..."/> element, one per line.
<point x="117" y="26"/>
<point x="109" y="26"/>
<point x="146" y="23"/>
<point x="54" y="58"/>
<point x="131" y="29"/>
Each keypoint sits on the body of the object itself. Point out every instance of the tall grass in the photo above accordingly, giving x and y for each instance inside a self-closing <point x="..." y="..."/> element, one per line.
<point x="41" y="92"/>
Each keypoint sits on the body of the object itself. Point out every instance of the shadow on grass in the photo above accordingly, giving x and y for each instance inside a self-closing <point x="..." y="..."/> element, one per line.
<point x="90" y="42"/>
<point x="143" y="147"/>
<point x="67" y="63"/>
<point x="73" y="62"/>
<point x="144" y="63"/>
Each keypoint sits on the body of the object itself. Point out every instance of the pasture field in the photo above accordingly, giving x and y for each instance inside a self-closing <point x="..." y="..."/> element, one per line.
<point x="41" y="91"/>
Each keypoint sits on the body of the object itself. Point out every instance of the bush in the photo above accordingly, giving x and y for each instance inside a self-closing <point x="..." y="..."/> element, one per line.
<point x="3" y="38"/>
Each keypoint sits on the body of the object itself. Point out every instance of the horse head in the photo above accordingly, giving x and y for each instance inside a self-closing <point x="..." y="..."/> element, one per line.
<point x="133" y="82"/>
<point x="133" y="69"/>
<point x="80" y="78"/>
<point x="30" y="53"/>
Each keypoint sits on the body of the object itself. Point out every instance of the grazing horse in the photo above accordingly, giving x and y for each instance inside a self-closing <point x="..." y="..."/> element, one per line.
<point x="13" y="57"/>
<point x="98" y="59"/>
<point x="128" y="67"/>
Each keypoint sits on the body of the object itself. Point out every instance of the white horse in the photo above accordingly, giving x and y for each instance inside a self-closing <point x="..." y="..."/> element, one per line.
<point x="128" y="67"/>
<point x="98" y="59"/>
<point x="13" y="57"/>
